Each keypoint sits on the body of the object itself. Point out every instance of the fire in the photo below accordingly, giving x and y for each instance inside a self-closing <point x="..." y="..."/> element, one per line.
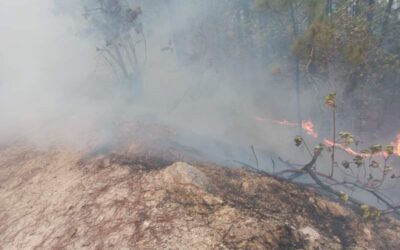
<point x="396" y="145"/>
<point x="348" y="150"/>
<point x="260" y="119"/>
<point x="308" y="127"/>
<point x="285" y="123"/>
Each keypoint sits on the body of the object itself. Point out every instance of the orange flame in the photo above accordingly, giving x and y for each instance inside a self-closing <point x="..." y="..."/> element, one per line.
<point x="396" y="145"/>
<point x="285" y="123"/>
<point x="348" y="150"/>
<point x="259" y="119"/>
<point x="308" y="127"/>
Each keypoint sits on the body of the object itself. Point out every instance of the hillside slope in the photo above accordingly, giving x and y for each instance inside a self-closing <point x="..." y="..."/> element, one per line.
<point x="65" y="199"/>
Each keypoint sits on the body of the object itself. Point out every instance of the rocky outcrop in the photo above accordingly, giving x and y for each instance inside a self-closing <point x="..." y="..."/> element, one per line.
<point x="56" y="200"/>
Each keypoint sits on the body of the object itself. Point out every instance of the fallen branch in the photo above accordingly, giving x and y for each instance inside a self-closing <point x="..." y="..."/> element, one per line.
<point x="307" y="169"/>
<point x="314" y="175"/>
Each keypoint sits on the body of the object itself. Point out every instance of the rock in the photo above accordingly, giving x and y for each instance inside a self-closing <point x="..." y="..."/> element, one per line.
<point x="212" y="200"/>
<point x="310" y="238"/>
<point x="182" y="173"/>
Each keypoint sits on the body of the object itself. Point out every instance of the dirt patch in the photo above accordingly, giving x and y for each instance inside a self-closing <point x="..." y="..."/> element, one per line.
<point x="67" y="200"/>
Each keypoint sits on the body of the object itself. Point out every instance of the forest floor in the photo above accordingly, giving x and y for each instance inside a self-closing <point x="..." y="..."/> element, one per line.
<point x="134" y="198"/>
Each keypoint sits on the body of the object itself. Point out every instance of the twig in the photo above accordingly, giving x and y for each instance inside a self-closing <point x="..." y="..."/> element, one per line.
<point x="325" y="187"/>
<point x="255" y="155"/>
<point x="265" y="173"/>
<point x="394" y="209"/>
<point x="145" y="49"/>
<point x="307" y="148"/>
<point x="248" y="166"/>
<point x="273" y="166"/>
<point x="334" y="141"/>
<point x="289" y="164"/>
<point x="308" y="166"/>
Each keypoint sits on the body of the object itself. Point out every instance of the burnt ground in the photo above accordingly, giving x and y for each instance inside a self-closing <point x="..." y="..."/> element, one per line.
<point x="132" y="198"/>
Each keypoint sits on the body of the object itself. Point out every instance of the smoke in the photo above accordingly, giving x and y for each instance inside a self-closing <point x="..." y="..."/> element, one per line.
<point x="202" y="79"/>
<point x="56" y="88"/>
<point x="51" y="86"/>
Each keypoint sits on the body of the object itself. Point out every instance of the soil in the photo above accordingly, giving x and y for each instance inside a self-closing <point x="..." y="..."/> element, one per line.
<point x="133" y="198"/>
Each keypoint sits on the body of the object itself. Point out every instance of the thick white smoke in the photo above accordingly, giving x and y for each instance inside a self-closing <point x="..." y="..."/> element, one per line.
<point x="54" y="86"/>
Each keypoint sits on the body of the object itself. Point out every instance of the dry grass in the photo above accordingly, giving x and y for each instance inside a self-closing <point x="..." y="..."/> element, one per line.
<point x="127" y="199"/>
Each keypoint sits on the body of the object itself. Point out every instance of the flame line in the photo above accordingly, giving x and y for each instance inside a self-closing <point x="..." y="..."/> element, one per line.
<point x="309" y="128"/>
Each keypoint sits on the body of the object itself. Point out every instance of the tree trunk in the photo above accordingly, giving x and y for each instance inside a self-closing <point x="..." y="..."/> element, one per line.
<point x="385" y="24"/>
<point x="329" y="7"/>
<point x="370" y="14"/>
